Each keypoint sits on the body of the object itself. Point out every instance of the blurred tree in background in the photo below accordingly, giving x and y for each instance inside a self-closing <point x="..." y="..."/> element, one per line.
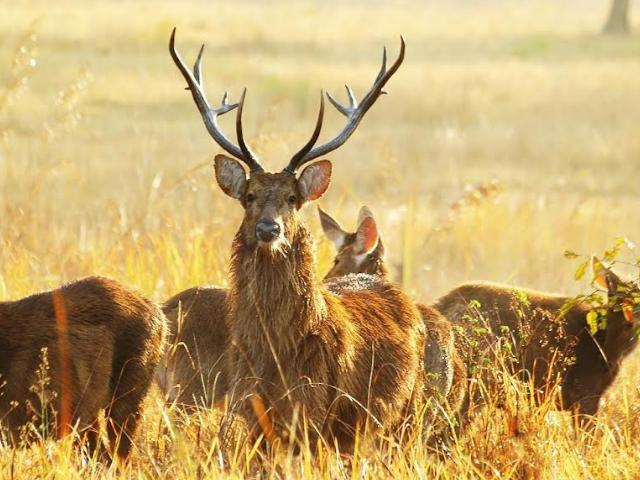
<point x="618" y="20"/>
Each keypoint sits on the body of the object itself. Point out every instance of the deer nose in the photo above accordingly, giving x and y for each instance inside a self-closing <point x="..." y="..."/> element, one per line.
<point x="267" y="230"/>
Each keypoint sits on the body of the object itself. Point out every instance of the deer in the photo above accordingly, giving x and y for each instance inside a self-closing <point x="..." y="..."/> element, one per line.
<point x="327" y="365"/>
<point x="193" y="372"/>
<point x="552" y="342"/>
<point x="102" y="343"/>
<point x="363" y="252"/>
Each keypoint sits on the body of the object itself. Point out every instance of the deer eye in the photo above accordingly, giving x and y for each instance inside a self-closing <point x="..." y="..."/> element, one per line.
<point x="292" y="199"/>
<point x="250" y="197"/>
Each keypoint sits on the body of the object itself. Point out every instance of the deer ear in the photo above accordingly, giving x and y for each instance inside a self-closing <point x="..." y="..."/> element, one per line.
<point x="364" y="213"/>
<point x="603" y="277"/>
<point x="332" y="229"/>
<point x="230" y="176"/>
<point x="366" y="236"/>
<point x="314" y="180"/>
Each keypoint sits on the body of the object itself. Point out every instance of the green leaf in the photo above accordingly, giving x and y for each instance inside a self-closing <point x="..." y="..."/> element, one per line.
<point x="602" y="322"/>
<point x="581" y="269"/>
<point x="622" y="241"/>
<point x="474" y="304"/>
<point x="521" y="297"/>
<point x="610" y="255"/>
<point x="592" y="321"/>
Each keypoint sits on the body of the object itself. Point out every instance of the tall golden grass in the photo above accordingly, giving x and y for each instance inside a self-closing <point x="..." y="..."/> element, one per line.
<point x="105" y="168"/>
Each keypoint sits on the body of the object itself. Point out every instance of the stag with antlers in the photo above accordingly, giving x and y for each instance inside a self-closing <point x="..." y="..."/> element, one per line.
<point x="341" y="361"/>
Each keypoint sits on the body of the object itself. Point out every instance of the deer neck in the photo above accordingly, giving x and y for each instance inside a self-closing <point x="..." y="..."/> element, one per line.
<point x="617" y="351"/>
<point x="277" y="292"/>
<point x="374" y="264"/>
<point x="378" y="267"/>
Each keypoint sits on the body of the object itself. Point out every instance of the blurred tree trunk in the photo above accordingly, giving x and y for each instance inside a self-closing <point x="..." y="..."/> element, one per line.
<point x="618" y="21"/>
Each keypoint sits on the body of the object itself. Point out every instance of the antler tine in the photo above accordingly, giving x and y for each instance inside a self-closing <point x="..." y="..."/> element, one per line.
<point x="353" y="103"/>
<point x="294" y="163"/>
<point x="248" y="154"/>
<point x="383" y="68"/>
<point x="354" y="112"/>
<point x="210" y="115"/>
<point x="196" y="67"/>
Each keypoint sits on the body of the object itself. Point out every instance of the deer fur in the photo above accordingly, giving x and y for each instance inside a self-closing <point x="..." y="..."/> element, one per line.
<point x="115" y="341"/>
<point x="193" y="371"/>
<point x="551" y="348"/>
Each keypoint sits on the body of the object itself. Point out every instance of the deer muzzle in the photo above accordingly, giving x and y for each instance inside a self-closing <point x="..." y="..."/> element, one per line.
<point x="267" y="231"/>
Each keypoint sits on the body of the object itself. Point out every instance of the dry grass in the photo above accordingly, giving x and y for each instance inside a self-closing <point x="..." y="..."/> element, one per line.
<point x="105" y="168"/>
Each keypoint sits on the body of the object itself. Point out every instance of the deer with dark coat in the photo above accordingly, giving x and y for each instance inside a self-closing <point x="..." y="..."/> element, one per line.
<point x="103" y="343"/>
<point x="551" y="341"/>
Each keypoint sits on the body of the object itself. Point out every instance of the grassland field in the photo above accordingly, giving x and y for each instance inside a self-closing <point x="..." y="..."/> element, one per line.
<point x="105" y="168"/>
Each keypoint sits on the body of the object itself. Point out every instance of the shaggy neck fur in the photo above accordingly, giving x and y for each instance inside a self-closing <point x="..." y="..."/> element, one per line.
<point x="274" y="294"/>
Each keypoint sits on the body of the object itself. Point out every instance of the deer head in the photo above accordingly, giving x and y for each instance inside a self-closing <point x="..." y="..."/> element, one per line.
<point x="361" y="251"/>
<point x="271" y="200"/>
<point x="623" y="308"/>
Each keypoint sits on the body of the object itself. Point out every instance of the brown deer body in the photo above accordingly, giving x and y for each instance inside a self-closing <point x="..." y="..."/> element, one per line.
<point x="331" y="362"/>
<point x="551" y="348"/>
<point x="362" y="251"/>
<point x="193" y="371"/>
<point x="103" y="343"/>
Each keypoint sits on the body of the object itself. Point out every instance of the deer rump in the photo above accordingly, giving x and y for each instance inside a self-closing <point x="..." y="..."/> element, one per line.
<point x="194" y="371"/>
<point x="115" y="340"/>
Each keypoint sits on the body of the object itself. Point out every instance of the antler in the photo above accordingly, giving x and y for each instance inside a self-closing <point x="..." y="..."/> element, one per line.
<point x="210" y="115"/>
<point x="354" y="113"/>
